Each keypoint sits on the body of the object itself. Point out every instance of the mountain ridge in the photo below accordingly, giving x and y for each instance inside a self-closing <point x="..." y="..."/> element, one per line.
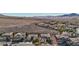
<point x="71" y="14"/>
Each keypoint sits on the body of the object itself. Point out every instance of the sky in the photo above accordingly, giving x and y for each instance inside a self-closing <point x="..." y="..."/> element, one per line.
<point x="32" y="14"/>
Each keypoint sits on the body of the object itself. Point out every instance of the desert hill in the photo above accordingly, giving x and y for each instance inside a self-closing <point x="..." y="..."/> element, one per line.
<point x="24" y="24"/>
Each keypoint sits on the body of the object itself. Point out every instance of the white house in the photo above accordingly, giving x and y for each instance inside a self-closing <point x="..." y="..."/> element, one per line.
<point x="18" y="35"/>
<point x="77" y="30"/>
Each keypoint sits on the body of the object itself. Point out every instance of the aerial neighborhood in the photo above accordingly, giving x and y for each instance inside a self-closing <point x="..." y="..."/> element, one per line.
<point x="59" y="34"/>
<point x="56" y="32"/>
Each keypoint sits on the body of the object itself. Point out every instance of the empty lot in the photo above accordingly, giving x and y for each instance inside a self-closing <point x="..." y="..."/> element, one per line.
<point x="13" y="22"/>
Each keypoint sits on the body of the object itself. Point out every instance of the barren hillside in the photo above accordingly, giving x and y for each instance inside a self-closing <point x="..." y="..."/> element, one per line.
<point x="8" y="22"/>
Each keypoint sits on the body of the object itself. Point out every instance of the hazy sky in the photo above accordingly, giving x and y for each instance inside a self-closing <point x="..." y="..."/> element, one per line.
<point x="32" y="14"/>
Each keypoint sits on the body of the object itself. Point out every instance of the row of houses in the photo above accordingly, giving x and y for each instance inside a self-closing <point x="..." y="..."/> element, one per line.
<point x="15" y="34"/>
<point x="44" y="38"/>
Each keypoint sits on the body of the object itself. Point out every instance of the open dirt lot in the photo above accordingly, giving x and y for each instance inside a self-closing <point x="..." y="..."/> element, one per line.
<point x="13" y="22"/>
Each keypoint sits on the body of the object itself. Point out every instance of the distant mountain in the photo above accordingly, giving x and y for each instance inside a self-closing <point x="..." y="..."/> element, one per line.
<point x="59" y="17"/>
<point x="2" y="15"/>
<point x="65" y="16"/>
<point x="72" y="14"/>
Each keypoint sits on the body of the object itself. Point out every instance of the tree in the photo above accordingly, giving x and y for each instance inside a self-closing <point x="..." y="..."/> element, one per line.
<point x="1" y="34"/>
<point x="36" y="42"/>
<point x="61" y="30"/>
<point x="49" y="41"/>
